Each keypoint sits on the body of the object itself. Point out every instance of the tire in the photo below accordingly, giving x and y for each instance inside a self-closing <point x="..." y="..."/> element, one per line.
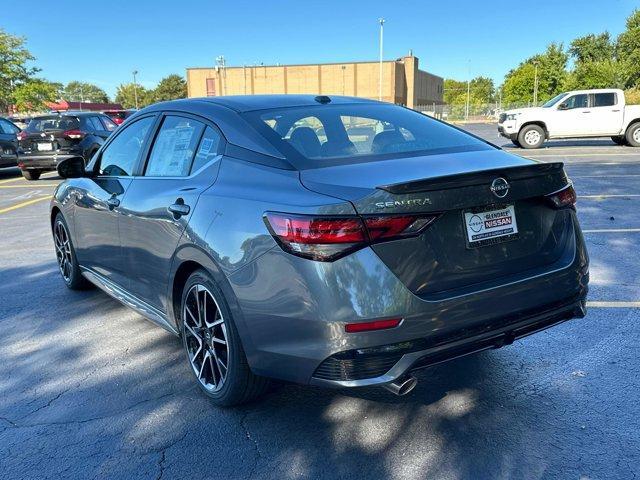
<point x="221" y="370"/>
<point x="516" y="143"/>
<point x="619" y="140"/>
<point x="531" y="136"/>
<point x="31" y="174"/>
<point x="633" y="135"/>
<point x="66" y="256"/>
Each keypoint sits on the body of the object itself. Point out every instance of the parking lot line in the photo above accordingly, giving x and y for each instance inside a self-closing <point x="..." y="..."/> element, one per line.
<point x="621" y="195"/>
<point x="613" y="230"/>
<point x="605" y="176"/>
<point x="24" y="204"/>
<point x="9" y="180"/>
<point x="599" y="304"/>
<point x="30" y="186"/>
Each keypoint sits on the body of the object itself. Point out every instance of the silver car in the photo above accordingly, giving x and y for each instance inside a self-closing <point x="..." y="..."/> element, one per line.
<point x="321" y="240"/>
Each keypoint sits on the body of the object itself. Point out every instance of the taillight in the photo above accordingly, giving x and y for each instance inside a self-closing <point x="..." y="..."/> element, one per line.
<point x="373" y="325"/>
<point x="329" y="238"/>
<point x="73" y="134"/>
<point x="22" y="135"/>
<point x="563" y="198"/>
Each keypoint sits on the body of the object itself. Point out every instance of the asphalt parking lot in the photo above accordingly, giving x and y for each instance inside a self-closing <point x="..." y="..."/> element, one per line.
<point x="89" y="389"/>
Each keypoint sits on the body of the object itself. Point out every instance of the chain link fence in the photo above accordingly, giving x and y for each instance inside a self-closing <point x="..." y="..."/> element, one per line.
<point x="486" y="112"/>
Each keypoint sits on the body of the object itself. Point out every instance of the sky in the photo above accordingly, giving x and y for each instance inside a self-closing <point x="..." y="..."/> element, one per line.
<point x="103" y="42"/>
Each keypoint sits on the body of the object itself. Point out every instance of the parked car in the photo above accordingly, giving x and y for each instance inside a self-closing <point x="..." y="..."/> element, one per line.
<point x="274" y="254"/>
<point x="48" y="139"/>
<point x="119" y="116"/>
<point x="576" y="114"/>
<point x="8" y="143"/>
<point x="20" y="121"/>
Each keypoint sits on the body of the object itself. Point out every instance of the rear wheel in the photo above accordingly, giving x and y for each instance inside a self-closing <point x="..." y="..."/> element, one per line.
<point x="31" y="174"/>
<point x="633" y="135"/>
<point x="66" y="256"/>
<point x="212" y="345"/>
<point x="619" y="140"/>
<point x="531" y="136"/>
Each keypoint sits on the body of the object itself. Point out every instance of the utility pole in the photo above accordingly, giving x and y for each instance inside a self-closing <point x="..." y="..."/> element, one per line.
<point x="535" y="85"/>
<point x="222" y="63"/>
<point x="381" y="20"/>
<point x="135" y="88"/>
<point x="466" y="110"/>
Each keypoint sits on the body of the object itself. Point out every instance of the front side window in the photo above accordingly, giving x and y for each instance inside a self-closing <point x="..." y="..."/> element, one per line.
<point x="174" y="147"/>
<point x="324" y="135"/>
<point x="7" y="127"/>
<point x="604" y="99"/>
<point x="577" y="101"/>
<point x="119" y="158"/>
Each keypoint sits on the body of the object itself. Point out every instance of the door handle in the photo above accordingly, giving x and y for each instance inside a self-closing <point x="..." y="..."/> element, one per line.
<point x="586" y="111"/>
<point x="179" y="209"/>
<point x="615" y="110"/>
<point x="113" y="202"/>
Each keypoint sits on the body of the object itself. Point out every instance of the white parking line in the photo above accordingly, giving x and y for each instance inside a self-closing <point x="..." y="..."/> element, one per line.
<point x="599" y="304"/>
<point x="622" y="195"/>
<point x="599" y="176"/>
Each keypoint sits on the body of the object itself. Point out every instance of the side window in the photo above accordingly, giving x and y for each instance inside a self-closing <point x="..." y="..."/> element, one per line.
<point x="109" y="125"/>
<point x="120" y="156"/>
<point x="209" y="147"/>
<point x="6" y="127"/>
<point x="174" y="147"/>
<point x="95" y="124"/>
<point x="604" y="99"/>
<point x="577" y="101"/>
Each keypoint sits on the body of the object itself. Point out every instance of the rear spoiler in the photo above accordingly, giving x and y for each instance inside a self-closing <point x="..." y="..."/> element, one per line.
<point x="469" y="179"/>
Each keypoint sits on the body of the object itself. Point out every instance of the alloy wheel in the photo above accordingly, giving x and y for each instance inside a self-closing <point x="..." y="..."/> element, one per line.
<point x="63" y="251"/>
<point x="205" y="338"/>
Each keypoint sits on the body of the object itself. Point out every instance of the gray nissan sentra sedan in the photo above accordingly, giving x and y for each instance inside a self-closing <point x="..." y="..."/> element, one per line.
<point x="321" y="240"/>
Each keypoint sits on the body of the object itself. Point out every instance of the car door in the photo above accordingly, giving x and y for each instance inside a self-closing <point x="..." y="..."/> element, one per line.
<point x="98" y="198"/>
<point x="608" y="113"/>
<point x="182" y="162"/>
<point x="8" y="142"/>
<point x="572" y="117"/>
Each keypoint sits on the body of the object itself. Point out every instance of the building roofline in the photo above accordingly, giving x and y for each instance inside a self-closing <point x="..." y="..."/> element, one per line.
<point x="299" y="64"/>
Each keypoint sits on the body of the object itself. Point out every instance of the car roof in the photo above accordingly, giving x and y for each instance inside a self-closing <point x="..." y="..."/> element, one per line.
<point x="245" y="103"/>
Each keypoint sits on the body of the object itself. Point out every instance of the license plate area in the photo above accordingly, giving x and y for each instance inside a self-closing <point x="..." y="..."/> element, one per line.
<point x="489" y="226"/>
<point x="44" y="147"/>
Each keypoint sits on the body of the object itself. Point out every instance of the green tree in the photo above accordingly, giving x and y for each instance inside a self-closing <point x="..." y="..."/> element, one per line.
<point x="14" y="67"/>
<point x="84" y="92"/>
<point x="126" y="95"/>
<point x="592" y="48"/>
<point x="34" y="94"/>
<point x="599" y="74"/>
<point x="170" y="88"/>
<point x="552" y="75"/>
<point x="628" y="51"/>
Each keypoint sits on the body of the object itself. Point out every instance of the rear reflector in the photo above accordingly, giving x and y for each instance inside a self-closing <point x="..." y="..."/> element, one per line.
<point x="73" y="134"/>
<point x="563" y="198"/>
<point x="329" y="238"/>
<point x="375" y="325"/>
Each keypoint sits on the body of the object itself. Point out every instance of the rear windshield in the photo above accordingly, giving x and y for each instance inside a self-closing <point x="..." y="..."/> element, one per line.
<point x="43" y="124"/>
<point x="121" y="115"/>
<point x="325" y="135"/>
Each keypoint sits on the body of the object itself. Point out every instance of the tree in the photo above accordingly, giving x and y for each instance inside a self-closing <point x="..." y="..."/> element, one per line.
<point x="170" y="88"/>
<point x="599" y="74"/>
<point x="34" y="94"/>
<point x="628" y="51"/>
<point x="552" y="75"/>
<point x="84" y="92"/>
<point x="592" y="48"/>
<point x="14" y="67"/>
<point x="127" y="92"/>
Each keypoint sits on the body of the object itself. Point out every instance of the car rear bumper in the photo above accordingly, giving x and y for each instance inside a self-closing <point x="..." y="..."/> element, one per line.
<point x="292" y="315"/>
<point x="41" y="162"/>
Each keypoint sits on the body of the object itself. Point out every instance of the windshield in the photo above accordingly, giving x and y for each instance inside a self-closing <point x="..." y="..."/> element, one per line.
<point x="324" y="135"/>
<point x="42" y="124"/>
<point x="554" y="100"/>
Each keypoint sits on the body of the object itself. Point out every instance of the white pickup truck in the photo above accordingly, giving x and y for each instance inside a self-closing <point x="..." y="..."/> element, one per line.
<point x="577" y="114"/>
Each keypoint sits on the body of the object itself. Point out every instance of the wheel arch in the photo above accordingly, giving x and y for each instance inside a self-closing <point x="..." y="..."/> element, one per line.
<point x="53" y="214"/>
<point x="539" y="123"/>
<point x="631" y="124"/>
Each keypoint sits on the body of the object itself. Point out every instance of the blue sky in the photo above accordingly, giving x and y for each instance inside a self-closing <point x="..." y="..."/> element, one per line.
<point x="102" y="42"/>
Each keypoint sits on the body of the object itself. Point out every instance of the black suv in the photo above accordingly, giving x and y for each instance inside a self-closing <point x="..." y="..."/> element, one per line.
<point x="8" y="143"/>
<point x="48" y="139"/>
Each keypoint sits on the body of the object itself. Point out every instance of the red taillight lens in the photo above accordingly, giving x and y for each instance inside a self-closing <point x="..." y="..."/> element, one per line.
<point x="329" y="238"/>
<point x="22" y="135"/>
<point x="564" y="198"/>
<point x="73" y="134"/>
<point x="375" y="325"/>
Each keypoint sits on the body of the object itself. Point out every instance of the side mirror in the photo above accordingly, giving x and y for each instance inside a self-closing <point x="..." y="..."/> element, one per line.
<point x="72" y="167"/>
<point x="563" y="106"/>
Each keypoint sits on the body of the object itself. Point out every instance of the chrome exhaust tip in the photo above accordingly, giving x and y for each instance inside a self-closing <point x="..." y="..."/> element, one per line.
<point x="402" y="386"/>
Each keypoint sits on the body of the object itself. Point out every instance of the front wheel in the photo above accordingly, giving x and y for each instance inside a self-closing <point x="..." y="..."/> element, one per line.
<point x="633" y="135"/>
<point x="31" y="174"/>
<point x="212" y="345"/>
<point x="531" y="136"/>
<point x="66" y="256"/>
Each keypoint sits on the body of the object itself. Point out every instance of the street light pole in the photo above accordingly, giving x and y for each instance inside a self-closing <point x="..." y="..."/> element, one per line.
<point x="466" y="110"/>
<point x="135" y="87"/>
<point x="381" y="20"/>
